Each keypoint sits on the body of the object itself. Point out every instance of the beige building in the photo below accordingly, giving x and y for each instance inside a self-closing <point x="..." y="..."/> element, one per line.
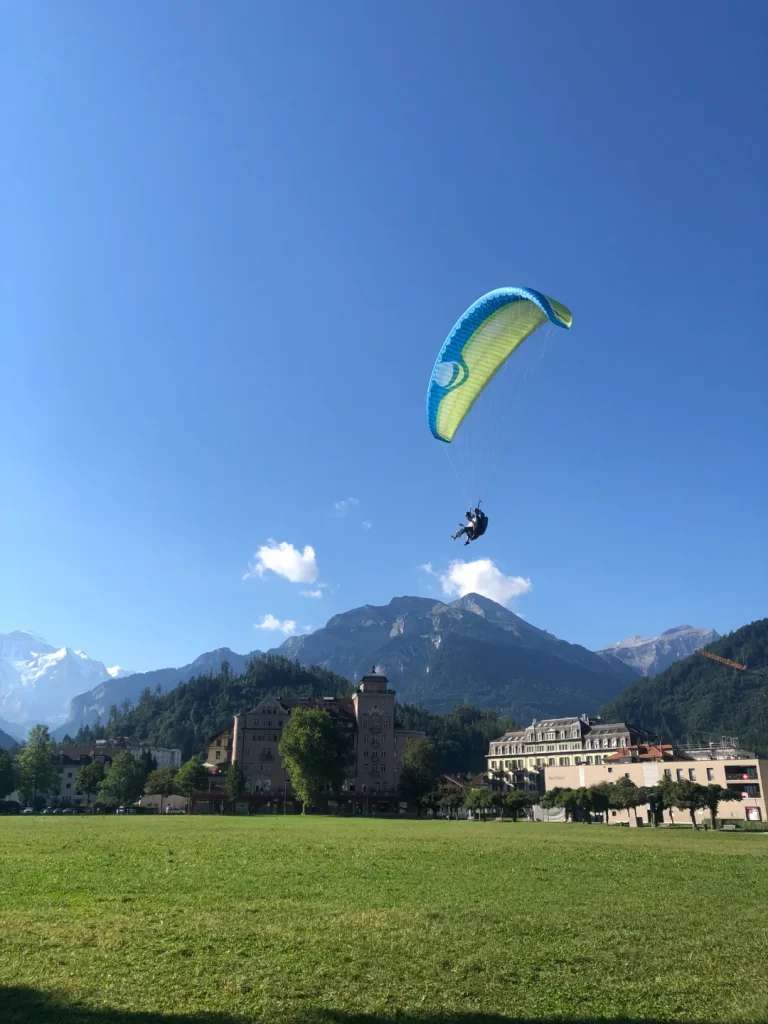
<point x="558" y="741"/>
<point x="746" y="775"/>
<point x="368" y="716"/>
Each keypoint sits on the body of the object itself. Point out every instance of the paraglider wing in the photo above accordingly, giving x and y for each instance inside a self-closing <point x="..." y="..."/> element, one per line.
<point x="481" y="340"/>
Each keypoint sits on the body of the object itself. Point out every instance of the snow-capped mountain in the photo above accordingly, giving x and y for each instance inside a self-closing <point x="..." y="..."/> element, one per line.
<point x="649" y="655"/>
<point x="38" y="680"/>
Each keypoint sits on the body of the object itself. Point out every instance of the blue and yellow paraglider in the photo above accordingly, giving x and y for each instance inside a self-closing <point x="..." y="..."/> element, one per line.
<point x="481" y="341"/>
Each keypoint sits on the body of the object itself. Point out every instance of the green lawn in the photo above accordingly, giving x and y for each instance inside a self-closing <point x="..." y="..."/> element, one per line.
<point x="132" y="920"/>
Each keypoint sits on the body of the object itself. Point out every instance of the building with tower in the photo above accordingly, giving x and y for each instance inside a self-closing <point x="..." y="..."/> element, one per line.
<point x="368" y="716"/>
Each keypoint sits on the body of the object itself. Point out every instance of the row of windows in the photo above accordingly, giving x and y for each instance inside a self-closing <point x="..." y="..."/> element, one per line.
<point x="548" y="762"/>
<point x="687" y="774"/>
<point x="605" y="743"/>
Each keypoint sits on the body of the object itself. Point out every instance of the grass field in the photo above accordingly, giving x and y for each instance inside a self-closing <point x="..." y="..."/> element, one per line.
<point x="126" y="920"/>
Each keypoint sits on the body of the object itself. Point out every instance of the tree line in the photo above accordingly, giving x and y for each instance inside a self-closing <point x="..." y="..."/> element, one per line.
<point x="623" y="795"/>
<point x="34" y="772"/>
<point x="188" y="716"/>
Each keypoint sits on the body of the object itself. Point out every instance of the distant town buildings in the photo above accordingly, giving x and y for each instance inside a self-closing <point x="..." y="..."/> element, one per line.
<point x="72" y="757"/>
<point x="576" y="752"/>
<point x="368" y="716"/>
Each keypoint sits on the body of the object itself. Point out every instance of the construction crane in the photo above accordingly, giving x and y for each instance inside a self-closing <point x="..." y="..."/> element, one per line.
<point x="724" y="661"/>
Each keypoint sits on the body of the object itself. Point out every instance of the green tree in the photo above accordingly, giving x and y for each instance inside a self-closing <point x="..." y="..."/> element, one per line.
<point x="600" y="798"/>
<point x="666" y="794"/>
<point x="515" y="801"/>
<point x="716" y="795"/>
<point x="123" y="781"/>
<point x="315" y="754"/>
<point x="89" y="779"/>
<point x="559" y="797"/>
<point x="191" y="778"/>
<point x="478" y="801"/>
<point x="584" y="804"/>
<point x="419" y="773"/>
<point x="7" y="774"/>
<point x="36" y="764"/>
<point x="161" y="782"/>
<point x="626" y="796"/>
<point x="655" y="801"/>
<point x="691" y="797"/>
<point x="568" y="799"/>
<point x="450" y="799"/>
<point x="234" y="783"/>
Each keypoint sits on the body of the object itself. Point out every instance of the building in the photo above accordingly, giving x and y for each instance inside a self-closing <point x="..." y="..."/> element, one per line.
<point x="570" y="753"/>
<point x="559" y="741"/>
<point x="744" y="774"/>
<point x="71" y="757"/>
<point x="368" y="717"/>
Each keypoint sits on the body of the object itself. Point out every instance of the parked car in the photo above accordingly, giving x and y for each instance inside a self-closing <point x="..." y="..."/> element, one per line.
<point x="27" y="810"/>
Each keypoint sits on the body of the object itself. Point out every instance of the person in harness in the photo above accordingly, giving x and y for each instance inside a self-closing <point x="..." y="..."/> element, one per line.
<point x="475" y="526"/>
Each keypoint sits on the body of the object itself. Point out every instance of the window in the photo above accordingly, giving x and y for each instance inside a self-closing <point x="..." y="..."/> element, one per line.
<point x="589" y="759"/>
<point x="610" y="771"/>
<point x="691" y="774"/>
<point x="710" y="774"/>
<point x="218" y="755"/>
<point x="668" y="774"/>
<point x="745" y="788"/>
<point x="564" y="761"/>
<point x="740" y="771"/>
<point x="551" y="762"/>
<point x="679" y="774"/>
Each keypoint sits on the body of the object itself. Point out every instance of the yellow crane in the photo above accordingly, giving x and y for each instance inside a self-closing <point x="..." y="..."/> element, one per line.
<point x="724" y="661"/>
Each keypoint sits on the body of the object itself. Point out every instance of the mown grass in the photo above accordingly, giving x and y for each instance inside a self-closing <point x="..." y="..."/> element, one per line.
<point x="117" y="920"/>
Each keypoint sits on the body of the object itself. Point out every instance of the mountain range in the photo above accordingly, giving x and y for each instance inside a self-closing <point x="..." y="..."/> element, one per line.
<point x="649" y="655"/>
<point x="87" y="708"/>
<point x="471" y="651"/>
<point x="7" y="742"/>
<point x="38" y="680"/>
<point x="437" y="655"/>
<point x="697" y="699"/>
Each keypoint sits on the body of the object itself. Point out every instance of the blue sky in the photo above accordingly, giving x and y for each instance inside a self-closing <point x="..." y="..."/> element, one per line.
<point x="235" y="238"/>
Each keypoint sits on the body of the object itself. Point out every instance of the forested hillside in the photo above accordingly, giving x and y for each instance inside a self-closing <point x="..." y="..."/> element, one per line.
<point x="699" y="698"/>
<point x="190" y="715"/>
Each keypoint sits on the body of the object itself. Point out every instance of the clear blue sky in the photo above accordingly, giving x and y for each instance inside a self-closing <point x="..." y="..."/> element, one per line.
<point x="235" y="236"/>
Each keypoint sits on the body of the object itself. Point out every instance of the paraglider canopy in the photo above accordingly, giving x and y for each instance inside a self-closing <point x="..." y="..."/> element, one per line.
<point x="482" y="339"/>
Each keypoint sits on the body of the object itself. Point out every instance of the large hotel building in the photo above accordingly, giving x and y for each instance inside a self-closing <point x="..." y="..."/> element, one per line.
<point x="570" y="753"/>
<point x="368" y="716"/>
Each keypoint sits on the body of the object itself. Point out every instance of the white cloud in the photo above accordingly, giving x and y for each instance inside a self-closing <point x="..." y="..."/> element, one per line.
<point x="274" y="625"/>
<point x="345" y="505"/>
<point x="285" y="560"/>
<point x="317" y="593"/>
<point x="427" y="568"/>
<point x="367" y="524"/>
<point x="481" y="577"/>
<point x="288" y="627"/>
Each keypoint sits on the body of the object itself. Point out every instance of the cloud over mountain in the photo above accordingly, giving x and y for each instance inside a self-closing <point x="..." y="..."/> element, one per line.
<point x="283" y="559"/>
<point x="483" y="577"/>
